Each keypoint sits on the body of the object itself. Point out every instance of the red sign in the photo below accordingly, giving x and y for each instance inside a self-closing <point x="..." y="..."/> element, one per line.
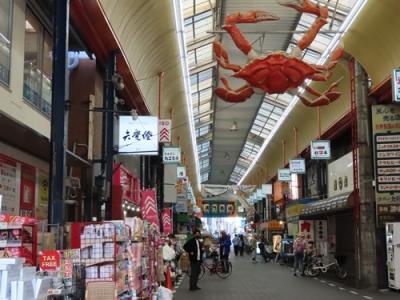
<point x="167" y="220"/>
<point x="149" y="207"/>
<point x="50" y="260"/>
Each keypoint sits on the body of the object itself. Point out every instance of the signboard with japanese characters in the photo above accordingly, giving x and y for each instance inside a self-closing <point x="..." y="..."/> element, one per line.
<point x="138" y="137"/>
<point x="181" y="172"/>
<point x="396" y="85"/>
<point x="320" y="149"/>
<point x="266" y="189"/>
<point x="386" y="137"/>
<point x="283" y="174"/>
<point x="171" y="155"/>
<point x="297" y="166"/>
<point x="164" y="131"/>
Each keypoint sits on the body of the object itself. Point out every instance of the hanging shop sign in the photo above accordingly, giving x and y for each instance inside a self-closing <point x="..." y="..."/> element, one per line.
<point x="181" y="171"/>
<point x="283" y="174"/>
<point x="171" y="155"/>
<point x="149" y="206"/>
<point x="396" y="85"/>
<point x="266" y="189"/>
<point x="340" y="175"/>
<point x="138" y="137"/>
<point x="320" y="149"/>
<point x="164" y="131"/>
<point x="386" y="136"/>
<point x="219" y="209"/>
<point x="297" y="166"/>
<point x="170" y="180"/>
<point x="167" y="220"/>
<point x="50" y="260"/>
<point x="259" y="194"/>
<point x="181" y="206"/>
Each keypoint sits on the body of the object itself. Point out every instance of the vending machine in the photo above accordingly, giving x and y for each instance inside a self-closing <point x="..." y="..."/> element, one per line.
<point x="393" y="254"/>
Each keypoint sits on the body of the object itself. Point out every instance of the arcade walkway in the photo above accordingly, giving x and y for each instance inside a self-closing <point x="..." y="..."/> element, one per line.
<point x="272" y="282"/>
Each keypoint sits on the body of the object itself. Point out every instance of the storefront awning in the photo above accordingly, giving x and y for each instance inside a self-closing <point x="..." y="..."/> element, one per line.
<point x="326" y="206"/>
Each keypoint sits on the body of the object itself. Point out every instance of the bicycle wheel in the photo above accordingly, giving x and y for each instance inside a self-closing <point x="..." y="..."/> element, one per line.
<point x="224" y="272"/>
<point x="310" y="271"/>
<point x="340" y="272"/>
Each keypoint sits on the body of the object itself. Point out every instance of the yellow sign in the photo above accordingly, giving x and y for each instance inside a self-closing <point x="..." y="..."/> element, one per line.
<point x="43" y="189"/>
<point x="294" y="210"/>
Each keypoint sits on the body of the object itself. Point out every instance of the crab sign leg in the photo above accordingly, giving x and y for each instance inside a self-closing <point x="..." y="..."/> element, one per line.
<point x="227" y="94"/>
<point x="324" y="98"/>
<point x="306" y="6"/>
<point x="222" y="57"/>
<point x="249" y="17"/>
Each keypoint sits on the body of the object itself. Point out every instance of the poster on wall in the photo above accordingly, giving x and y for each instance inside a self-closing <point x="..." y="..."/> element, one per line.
<point x="8" y="185"/>
<point x="297" y="166"/>
<point x="320" y="149"/>
<point x="138" y="137"/>
<point x="386" y="137"/>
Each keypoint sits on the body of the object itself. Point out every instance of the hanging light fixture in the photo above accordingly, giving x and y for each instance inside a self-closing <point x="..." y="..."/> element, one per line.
<point x="234" y="126"/>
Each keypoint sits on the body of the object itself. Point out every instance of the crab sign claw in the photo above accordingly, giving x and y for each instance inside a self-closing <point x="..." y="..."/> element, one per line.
<point x="253" y="16"/>
<point x="227" y="94"/>
<point x="324" y="98"/>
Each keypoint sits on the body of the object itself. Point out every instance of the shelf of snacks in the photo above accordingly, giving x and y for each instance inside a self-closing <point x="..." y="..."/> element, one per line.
<point x="18" y="238"/>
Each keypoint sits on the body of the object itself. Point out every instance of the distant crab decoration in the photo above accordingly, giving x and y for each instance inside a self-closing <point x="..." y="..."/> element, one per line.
<point x="277" y="72"/>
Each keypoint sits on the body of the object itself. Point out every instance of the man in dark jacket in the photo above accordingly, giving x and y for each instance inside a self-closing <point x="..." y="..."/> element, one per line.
<point x="195" y="249"/>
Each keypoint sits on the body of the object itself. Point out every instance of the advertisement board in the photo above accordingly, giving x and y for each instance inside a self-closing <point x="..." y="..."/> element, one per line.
<point x="283" y="174"/>
<point x="297" y="166"/>
<point x="138" y="137"/>
<point x="386" y="139"/>
<point x="320" y="149"/>
<point x="340" y="175"/>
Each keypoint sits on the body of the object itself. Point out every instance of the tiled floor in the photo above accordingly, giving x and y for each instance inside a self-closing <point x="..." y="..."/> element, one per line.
<point x="273" y="282"/>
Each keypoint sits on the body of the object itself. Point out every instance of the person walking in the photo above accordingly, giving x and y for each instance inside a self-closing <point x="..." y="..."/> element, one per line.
<point x="253" y="247"/>
<point x="241" y="244"/>
<point x="195" y="249"/>
<point x="236" y="241"/>
<point x="299" y="246"/>
<point x="226" y="249"/>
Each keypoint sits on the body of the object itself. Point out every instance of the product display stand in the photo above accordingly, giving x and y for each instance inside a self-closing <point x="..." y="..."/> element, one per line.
<point x="18" y="238"/>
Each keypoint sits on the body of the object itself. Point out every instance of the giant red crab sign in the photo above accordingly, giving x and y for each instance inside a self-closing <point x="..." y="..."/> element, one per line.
<point x="277" y="72"/>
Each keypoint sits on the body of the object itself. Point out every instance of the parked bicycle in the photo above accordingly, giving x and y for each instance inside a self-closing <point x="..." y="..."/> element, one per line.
<point x="223" y="269"/>
<point x="316" y="266"/>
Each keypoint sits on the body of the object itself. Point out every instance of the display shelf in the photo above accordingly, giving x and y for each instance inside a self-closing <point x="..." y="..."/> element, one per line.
<point x="10" y="243"/>
<point x="8" y="226"/>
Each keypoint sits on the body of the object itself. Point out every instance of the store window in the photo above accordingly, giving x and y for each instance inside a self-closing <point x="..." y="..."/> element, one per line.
<point x="37" y="64"/>
<point x="5" y="40"/>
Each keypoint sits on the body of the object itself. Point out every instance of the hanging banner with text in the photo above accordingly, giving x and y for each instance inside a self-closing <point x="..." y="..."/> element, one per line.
<point x="138" y="137"/>
<point x="164" y="131"/>
<point x="297" y="165"/>
<point x="167" y="220"/>
<point x="386" y="136"/>
<point x="149" y="207"/>
<point x="283" y="174"/>
<point x="171" y="155"/>
<point x="320" y="149"/>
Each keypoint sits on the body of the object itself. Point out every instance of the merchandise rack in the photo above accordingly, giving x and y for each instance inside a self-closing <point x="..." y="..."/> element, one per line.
<point x="103" y="254"/>
<point x="19" y="240"/>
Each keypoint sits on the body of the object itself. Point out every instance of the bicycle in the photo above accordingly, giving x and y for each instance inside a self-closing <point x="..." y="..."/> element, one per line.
<point x="317" y="266"/>
<point x="220" y="268"/>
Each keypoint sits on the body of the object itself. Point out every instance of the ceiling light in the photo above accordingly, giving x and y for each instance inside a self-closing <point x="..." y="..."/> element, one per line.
<point x="234" y="127"/>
